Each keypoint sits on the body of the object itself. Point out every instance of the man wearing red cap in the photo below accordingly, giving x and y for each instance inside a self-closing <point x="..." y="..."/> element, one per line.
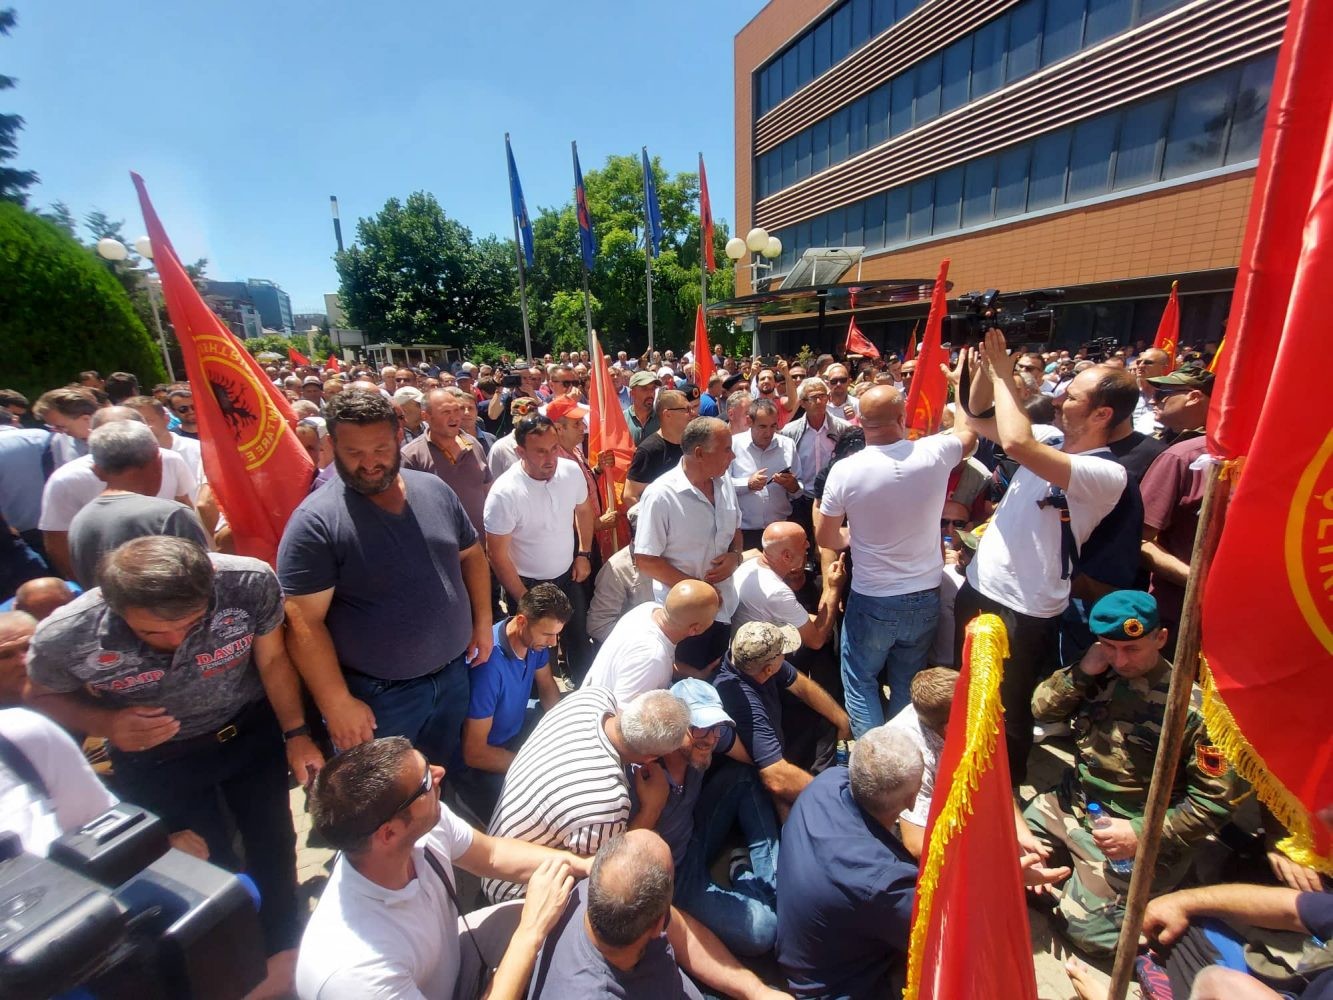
<point x="569" y="417"/>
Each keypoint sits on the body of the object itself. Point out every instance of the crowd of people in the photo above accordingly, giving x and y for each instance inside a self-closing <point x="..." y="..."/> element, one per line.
<point x="683" y="731"/>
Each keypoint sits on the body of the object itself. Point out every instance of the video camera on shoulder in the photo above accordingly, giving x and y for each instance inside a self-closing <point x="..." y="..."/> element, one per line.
<point x="1026" y="321"/>
<point x="511" y="379"/>
<point x="115" y="912"/>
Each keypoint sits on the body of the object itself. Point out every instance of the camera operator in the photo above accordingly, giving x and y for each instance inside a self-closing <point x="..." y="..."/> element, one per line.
<point x="1025" y="560"/>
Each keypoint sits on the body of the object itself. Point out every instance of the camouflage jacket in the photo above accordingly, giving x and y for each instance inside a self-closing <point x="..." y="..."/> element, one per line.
<point x="1117" y="726"/>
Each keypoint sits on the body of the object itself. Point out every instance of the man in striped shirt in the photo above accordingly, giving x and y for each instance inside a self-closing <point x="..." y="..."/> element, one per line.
<point x="567" y="787"/>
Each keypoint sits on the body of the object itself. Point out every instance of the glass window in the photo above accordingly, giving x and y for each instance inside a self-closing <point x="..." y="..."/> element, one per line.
<point x="1063" y="33"/>
<point x="853" y="224"/>
<point x="1199" y="123"/>
<point x="879" y="116"/>
<point x="922" y="212"/>
<point x="957" y="68"/>
<point x="789" y="83"/>
<point x="978" y="191"/>
<point x="805" y="59"/>
<point x="927" y="89"/>
<point x="988" y="46"/>
<point x="895" y="217"/>
<point x="948" y="197"/>
<point x="819" y="146"/>
<point x="1247" y="124"/>
<point x="838" y="136"/>
<point x="1149" y="9"/>
<point x="842" y="32"/>
<point x="819" y="231"/>
<point x="860" y="23"/>
<point x="1011" y="181"/>
<point x="900" y="104"/>
<point x="823" y="35"/>
<point x="1138" y="158"/>
<point x="800" y="240"/>
<point x="1050" y="163"/>
<point x="1106" y="18"/>
<point x="761" y="176"/>
<point x="788" y="164"/>
<point x="1024" y="40"/>
<point x="1090" y="156"/>
<point x="881" y="17"/>
<point x="906" y="7"/>
<point x="761" y="99"/>
<point x="802" y="141"/>
<point x="836" y="236"/>
<point x="856" y="126"/>
<point x="874" y="222"/>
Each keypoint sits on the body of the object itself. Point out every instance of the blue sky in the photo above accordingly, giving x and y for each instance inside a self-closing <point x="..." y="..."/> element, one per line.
<point x="244" y="116"/>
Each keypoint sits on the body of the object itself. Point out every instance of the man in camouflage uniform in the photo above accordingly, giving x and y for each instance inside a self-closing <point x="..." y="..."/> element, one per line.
<point x="1115" y="698"/>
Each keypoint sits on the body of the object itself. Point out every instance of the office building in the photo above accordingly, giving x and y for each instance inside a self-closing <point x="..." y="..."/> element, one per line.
<point x="264" y="299"/>
<point x="1105" y="147"/>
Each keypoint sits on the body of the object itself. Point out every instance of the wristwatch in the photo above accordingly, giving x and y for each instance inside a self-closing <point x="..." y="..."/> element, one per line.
<point x="585" y="555"/>
<point x="291" y="734"/>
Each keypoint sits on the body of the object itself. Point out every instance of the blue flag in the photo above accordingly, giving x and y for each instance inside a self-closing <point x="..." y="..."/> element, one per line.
<point x="652" y="211"/>
<point x="520" y="207"/>
<point x="587" y="241"/>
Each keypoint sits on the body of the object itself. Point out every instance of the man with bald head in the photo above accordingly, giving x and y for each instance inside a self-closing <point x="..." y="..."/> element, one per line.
<point x="640" y="653"/>
<point x="43" y="595"/>
<point x="889" y="495"/>
<point x="16" y="629"/>
<point x="765" y="594"/>
<point x="1150" y="364"/>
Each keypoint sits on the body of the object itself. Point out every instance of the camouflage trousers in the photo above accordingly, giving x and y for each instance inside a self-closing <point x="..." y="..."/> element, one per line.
<point x="1092" y="899"/>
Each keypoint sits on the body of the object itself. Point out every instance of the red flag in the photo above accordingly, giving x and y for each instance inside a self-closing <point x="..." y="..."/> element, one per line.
<point x="1168" y="330"/>
<point x="256" y="466"/>
<point x="1217" y="356"/>
<point x="1269" y="699"/>
<point x="705" y="218"/>
<point x="969" y="896"/>
<point x="858" y="343"/>
<point x="910" y="353"/>
<point x="930" y="387"/>
<point x="1289" y="159"/>
<point x="296" y="357"/>
<point x="332" y="364"/>
<point x="703" y="353"/>
<point x="608" y="431"/>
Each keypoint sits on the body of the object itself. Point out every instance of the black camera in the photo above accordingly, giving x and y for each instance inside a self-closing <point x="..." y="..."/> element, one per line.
<point x="1102" y="348"/>
<point x="511" y="379"/>
<point x="118" y="914"/>
<point x="1030" y="320"/>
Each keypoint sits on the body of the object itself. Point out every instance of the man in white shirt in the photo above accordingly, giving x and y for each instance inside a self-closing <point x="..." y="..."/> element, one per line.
<point x="640" y="653"/>
<point x="1150" y="364"/>
<point x="890" y="493"/>
<point x="388" y="923"/>
<point x="1025" y="558"/>
<point x="765" y="595"/>
<point x="816" y="434"/>
<point x="925" y="720"/>
<point x="841" y="403"/>
<point x="533" y="513"/>
<point x="155" y="415"/>
<point x="765" y="472"/>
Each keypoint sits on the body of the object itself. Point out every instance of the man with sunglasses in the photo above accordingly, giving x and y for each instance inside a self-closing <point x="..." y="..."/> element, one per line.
<point x="504" y="452"/>
<point x="180" y="398"/>
<point x="389" y="923"/>
<point x="1150" y="364"/>
<point x="841" y="403"/>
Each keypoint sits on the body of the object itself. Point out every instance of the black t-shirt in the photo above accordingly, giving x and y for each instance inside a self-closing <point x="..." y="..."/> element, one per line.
<point x="1136" y="453"/>
<point x="654" y="456"/>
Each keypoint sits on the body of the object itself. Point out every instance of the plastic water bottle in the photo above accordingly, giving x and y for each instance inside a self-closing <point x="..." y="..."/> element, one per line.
<point x="1099" y="821"/>
<point x="841" y="754"/>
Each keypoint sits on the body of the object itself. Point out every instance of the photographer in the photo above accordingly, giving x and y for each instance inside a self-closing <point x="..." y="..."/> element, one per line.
<point x="1025" y="560"/>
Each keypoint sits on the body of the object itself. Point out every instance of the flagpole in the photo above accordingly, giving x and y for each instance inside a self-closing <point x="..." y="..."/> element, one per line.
<point x="1212" y="514"/>
<point x="703" y="269"/>
<point x="583" y="262"/>
<point x="648" y="246"/>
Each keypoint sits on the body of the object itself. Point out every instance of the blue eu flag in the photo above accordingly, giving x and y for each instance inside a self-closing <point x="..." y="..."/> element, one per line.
<point x="520" y="207"/>
<point x="652" y="211"/>
<point x="587" y="241"/>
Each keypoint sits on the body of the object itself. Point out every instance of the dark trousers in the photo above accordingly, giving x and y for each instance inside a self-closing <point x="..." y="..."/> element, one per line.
<point x="249" y="774"/>
<point x="427" y="710"/>
<point x="1033" y="655"/>
<point x="574" y="639"/>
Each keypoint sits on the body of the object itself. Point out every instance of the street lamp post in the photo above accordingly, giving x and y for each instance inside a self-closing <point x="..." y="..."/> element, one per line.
<point x="757" y="242"/>
<point x="116" y="251"/>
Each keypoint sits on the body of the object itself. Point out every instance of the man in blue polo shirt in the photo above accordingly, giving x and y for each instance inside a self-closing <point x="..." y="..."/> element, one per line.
<point x="498" y="713"/>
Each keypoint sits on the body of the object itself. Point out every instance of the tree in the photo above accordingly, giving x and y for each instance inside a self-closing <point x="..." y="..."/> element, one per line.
<point x="415" y="275"/>
<point x="61" y="312"/>
<point x="101" y="226"/>
<point x="60" y="214"/>
<point x="14" y="183"/>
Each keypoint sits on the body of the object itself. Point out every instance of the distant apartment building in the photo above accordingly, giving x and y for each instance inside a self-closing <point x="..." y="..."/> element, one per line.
<point x="265" y="299"/>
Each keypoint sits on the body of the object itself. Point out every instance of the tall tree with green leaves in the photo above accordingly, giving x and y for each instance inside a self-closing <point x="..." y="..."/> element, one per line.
<point x="14" y="183"/>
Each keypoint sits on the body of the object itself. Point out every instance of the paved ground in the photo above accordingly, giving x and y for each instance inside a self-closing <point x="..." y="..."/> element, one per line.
<point x="1048" y="949"/>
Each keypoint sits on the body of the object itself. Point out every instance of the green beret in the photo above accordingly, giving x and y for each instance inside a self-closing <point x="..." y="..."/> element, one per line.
<point x="1124" y="615"/>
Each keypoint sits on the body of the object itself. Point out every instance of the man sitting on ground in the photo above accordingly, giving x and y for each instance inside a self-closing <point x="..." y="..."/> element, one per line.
<point x="926" y="722"/>
<point x="766" y="596"/>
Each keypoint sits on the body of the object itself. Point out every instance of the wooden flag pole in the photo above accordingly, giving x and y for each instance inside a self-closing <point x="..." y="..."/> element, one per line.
<point x="1212" y="515"/>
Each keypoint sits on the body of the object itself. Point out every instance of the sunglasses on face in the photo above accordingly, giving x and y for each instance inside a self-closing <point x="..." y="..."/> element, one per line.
<point x="184" y="408"/>
<point x="950" y="523"/>
<point x="839" y="381"/>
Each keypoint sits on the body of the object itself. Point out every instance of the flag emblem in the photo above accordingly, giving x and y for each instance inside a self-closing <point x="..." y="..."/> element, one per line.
<point x="256" y="434"/>
<point x="1308" y="544"/>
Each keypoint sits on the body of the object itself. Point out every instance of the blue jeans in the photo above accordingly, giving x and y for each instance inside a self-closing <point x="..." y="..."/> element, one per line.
<point x="427" y="710"/>
<point x="744" y="916"/>
<point x="884" y="635"/>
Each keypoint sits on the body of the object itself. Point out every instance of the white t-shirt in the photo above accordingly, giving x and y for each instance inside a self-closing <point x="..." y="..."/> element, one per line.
<point x="941" y="652"/>
<point x="74" y="484"/>
<point x="1018" y="559"/>
<point x="189" y="449"/>
<point x="765" y="597"/>
<point x="930" y="743"/>
<point x="538" y="517"/>
<point x="364" y="940"/>
<point x="503" y="455"/>
<point x="76" y="794"/>
<point x="636" y="657"/>
<point x="892" y="495"/>
<point x="836" y="409"/>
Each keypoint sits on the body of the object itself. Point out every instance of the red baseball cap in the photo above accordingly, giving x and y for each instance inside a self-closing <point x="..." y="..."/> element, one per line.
<point x="565" y="406"/>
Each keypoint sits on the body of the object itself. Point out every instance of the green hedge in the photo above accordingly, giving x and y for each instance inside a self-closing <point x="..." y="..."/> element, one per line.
<point x="62" y="312"/>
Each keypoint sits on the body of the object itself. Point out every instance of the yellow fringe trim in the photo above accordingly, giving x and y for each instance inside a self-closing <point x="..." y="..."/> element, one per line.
<point x="1225" y="734"/>
<point x="990" y="647"/>
<point x="1231" y="469"/>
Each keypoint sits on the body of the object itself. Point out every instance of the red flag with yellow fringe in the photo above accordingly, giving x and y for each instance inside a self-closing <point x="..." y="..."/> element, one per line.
<point x="970" y="933"/>
<point x="257" y="468"/>
<point x="930" y="386"/>
<point x="608" y="431"/>
<point x="1267" y="612"/>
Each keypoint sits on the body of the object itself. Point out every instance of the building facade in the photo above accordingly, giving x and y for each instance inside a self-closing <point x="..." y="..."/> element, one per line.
<point x="251" y="307"/>
<point x="1103" y="147"/>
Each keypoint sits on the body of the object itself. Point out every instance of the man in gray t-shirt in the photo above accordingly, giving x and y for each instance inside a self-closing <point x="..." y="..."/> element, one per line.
<point x="114" y="518"/>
